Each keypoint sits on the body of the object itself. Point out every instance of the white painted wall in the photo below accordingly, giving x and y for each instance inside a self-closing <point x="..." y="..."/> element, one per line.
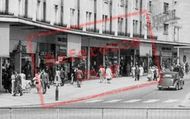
<point x="85" y="5"/>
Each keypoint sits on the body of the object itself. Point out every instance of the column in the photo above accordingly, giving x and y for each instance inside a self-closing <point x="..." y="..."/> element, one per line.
<point x="119" y="55"/>
<point x="131" y="6"/>
<point x="1" y="86"/>
<point x="4" y="46"/>
<point x="115" y="14"/>
<point x="104" y="59"/>
<point x="145" y="21"/>
<point x="1" y="5"/>
<point x="178" y="56"/>
<point x="67" y="13"/>
<point x="40" y="11"/>
<point x="134" y="62"/>
<point x="99" y="15"/>
<point x="83" y="14"/>
<point x="88" y="67"/>
<point x="34" y="6"/>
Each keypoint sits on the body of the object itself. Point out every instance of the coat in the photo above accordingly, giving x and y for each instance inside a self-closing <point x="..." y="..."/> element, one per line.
<point x="108" y="73"/>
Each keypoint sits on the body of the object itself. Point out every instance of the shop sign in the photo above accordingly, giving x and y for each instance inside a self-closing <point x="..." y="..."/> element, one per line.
<point x="74" y="46"/>
<point x="167" y="54"/>
<point x="145" y="50"/>
<point x="186" y="51"/>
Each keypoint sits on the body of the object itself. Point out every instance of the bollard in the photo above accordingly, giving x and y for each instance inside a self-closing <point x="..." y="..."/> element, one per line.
<point x="57" y="93"/>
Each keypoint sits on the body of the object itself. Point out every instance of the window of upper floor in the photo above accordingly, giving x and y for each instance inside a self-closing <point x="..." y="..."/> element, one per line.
<point x="136" y="4"/>
<point x="166" y="27"/>
<point x="135" y="26"/>
<point x="166" y="7"/>
<point x="150" y="6"/>
<point x="122" y="3"/>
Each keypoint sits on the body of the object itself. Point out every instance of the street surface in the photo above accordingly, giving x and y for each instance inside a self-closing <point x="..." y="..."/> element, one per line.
<point x="148" y="97"/>
<point x="140" y="103"/>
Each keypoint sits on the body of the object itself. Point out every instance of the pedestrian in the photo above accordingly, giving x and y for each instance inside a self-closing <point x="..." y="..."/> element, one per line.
<point x="17" y="84"/>
<point x="79" y="77"/>
<point x="133" y="71"/>
<point x="101" y="73"/>
<point x="13" y="79"/>
<point x="57" y="76"/>
<point x="155" y="74"/>
<point x="37" y="80"/>
<point x="141" y="70"/>
<point x="72" y="75"/>
<point x="23" y="79"/>
<point x="44" y="81"/>
<point x="62" y="75"/>
<point x="137" y="73"/>
<point x="108" y="75"/>
<point x="186" y="68"/>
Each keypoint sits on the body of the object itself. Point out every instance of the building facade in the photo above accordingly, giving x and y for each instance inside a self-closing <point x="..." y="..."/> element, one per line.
<point x="93" y="32"/>
<point x="170" y="21"/>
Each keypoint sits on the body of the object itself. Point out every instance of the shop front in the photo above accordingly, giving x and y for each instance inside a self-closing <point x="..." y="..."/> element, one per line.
<point x="166" y="57"/>
<point x="145" y="54"/>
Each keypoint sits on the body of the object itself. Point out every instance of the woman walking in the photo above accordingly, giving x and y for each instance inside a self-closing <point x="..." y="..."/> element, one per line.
<point x="108" y="75"/>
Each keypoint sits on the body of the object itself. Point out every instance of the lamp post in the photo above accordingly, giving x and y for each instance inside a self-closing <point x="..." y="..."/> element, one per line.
<point x="57" y="92"/>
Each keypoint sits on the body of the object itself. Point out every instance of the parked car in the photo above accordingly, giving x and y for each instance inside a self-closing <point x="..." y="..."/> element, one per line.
<point x="170" y="80"/>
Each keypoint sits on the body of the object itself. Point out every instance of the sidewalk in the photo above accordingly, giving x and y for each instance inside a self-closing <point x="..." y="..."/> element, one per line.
<point x="186" y="101"/>
<point x="70" y="93"/>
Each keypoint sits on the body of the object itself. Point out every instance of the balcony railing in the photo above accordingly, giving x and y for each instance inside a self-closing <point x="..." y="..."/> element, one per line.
<point x="5" y="12"/>
<point x="43" y="21"/>
<point x="75" y="27"/>
<point x="121" y="33"/>
<point x="90" y="29"/>
<point x="152" y="37"/>
<point x="108" y="32"/>
<point x="60" y="24"/>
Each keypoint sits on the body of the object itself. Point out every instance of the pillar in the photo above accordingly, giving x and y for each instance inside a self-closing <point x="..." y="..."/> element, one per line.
<point x="67" y="13"/>
<point x="131" y="4"/>
<point x="88" y="67"/>
<point x="34" y="5"/>
<point x="99" y="15"/>
<point x="83" y="14"/>
<point x="115" y="14"/>
<point x="178" y="56"/>
<point x="145" y="21"/>
<point x="104" y="57"/>
<point x="1" y="86"/>
<point x="4" y="46"/>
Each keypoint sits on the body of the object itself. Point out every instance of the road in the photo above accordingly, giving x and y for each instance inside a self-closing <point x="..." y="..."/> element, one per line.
<point x="148" y="97"/>
<point x="133" y="104"/>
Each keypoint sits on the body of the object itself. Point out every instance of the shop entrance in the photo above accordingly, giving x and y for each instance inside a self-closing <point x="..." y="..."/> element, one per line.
<point x="126" y="62"/>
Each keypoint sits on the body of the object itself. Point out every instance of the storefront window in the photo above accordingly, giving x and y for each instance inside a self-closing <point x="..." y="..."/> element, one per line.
<point x="96" y="59"/>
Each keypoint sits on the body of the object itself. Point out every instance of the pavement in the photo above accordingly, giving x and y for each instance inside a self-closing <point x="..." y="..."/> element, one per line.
<point x="186" y="101"/>
<point x="69" y="94"/>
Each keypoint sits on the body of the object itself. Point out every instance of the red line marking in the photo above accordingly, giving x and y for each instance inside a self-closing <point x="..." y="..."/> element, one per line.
<point x="34" y="36"/>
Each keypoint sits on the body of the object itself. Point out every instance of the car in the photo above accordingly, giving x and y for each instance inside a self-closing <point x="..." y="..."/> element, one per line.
<point x="170" y="80"/>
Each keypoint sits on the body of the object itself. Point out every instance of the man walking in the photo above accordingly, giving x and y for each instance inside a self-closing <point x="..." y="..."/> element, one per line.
<point x="16" y="84"/>
<point x="137" y="73"/>
<point x="101" y="73"/>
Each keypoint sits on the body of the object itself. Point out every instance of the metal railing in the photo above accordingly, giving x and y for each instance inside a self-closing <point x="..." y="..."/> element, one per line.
<point x="94" y="113"/>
